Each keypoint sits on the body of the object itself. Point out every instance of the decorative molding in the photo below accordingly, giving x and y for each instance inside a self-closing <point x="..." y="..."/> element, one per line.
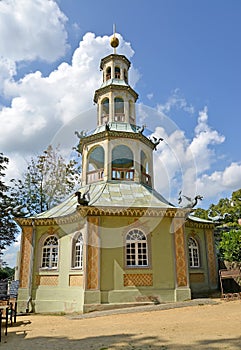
<point x="114" y="134"/>
<point x="93" y="252"/>
<point x="75" y="280"/>
<point x="26" y="251"/>
<point x="193" y="224"/>
<point x="110" y="87"/>
<point x="114" y="57"/>
<point x="197" y="277"/>
<point x="83" y="211"/>
<point x="47" y="280"/>
<point x="132" y="212"/>
<point x="137" y="279"/>
<point x="61" y="220"/>
<point x="180" y="254"/>
<point x="211" y="257"/>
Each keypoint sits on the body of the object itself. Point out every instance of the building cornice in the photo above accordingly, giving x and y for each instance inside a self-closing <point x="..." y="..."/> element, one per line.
<point x="114" y="87"/>
<point x="83" y="211"/>
<point x="132" y="212"/>
<point x="109" y="134"/>
<point x="194" y="224"/>
<point x="68" y="219"/>
<point x="112" y="57"/>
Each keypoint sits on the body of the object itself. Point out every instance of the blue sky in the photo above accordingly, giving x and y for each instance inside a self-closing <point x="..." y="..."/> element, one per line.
<point x="186" y="64"/>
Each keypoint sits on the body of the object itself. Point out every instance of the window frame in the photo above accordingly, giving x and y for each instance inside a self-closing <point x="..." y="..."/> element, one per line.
<point x="194" y="260"/>
<point x="50" y="253"/>
<point x="73" y="256"/>
<point x="108" y="73"/>
<point x="117" y="72"/>
<point x="137" y="244"/>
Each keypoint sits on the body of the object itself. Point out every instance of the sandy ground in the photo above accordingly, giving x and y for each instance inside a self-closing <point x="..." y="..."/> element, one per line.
<point x="215" y="326"/>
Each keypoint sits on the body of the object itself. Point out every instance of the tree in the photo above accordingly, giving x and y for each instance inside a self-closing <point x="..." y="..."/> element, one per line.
<point x="8" y="228"/>
<point x="201" y="213"/>
<point x="226" y="214"/>
<point x="230" y="245"/>
<point x="48" y="180"/>
<point x="6" y="272"/>
<point x="227" y="209"/>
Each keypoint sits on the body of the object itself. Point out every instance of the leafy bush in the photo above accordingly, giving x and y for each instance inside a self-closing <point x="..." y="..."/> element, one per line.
<point x="230" y="245"/>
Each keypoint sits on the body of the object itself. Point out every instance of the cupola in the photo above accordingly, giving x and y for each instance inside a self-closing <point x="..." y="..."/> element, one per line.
<point x="115" y="98"/>
<point x="117" y="150"/>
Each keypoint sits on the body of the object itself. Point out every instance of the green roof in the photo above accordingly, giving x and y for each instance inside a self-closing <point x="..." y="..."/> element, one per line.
<point x="199" y="220"/>
<point x="115" y="126"/>
<point x="115" y="82"/>
<point x="111" y="194"/>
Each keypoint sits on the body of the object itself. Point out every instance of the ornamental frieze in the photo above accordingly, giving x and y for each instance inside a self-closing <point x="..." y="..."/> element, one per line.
<point x="113" y="134"/>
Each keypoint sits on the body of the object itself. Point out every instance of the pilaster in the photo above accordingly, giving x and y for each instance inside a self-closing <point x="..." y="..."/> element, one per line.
<point x="26" y="253"/>
<point x="93" y="254"/>
<point x="183" y="291"/>
<point x="211" y="258"/>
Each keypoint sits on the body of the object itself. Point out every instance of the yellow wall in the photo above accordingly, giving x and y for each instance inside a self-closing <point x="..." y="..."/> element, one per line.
<point x="113" y="231"/>
<point x="58" y="289"/>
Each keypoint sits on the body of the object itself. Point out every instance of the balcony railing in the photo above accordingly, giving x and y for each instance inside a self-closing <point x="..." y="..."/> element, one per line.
<point x="146" y="179"/>
<point x="95" y="175"/>
<point x="119" y="117"/>
<point x="123" y="174"/>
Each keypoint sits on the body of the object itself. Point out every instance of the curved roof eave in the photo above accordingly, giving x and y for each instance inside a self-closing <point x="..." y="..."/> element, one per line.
<point x="119" y="195"/>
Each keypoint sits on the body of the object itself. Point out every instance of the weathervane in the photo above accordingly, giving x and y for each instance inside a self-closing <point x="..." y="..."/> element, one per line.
<point x="114" y="41"/>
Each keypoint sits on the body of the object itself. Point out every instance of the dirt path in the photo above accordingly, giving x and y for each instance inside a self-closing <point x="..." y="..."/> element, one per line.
<point x="196" y="327"/>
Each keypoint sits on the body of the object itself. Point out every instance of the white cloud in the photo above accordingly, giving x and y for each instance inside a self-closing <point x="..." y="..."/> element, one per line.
<point x="32" y="29"/>
<point x="40" y="106"/>
<point x="201" y="144"/>
<point x="10" y="257"/>
<point x="219" y="181"/>
<point x="45" y="109"/>
<point x="150" y="96"/>
<point x="175" y="101"/>
<point x="181" y="162"/>
<point x="7" y="71"/>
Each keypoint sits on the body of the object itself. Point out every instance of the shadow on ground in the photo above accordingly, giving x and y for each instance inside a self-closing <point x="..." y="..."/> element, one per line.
<point x="19" y="340"/>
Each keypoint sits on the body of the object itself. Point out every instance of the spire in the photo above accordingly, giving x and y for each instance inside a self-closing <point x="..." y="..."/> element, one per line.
<point x="114" y="41"/>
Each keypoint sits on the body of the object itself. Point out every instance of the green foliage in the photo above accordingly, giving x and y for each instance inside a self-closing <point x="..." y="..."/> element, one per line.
<point x="226" y="214"/>
<point x="227" y="209"/>
<point x="6" y="272"/>
<point x="201" y="213"/>
<point x="47" y="181"/>
<point x="8" y="228"/>
<point x="230" y="245"/>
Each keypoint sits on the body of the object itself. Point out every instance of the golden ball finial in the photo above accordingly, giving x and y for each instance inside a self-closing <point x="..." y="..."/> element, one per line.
<point x="114" y="41"/>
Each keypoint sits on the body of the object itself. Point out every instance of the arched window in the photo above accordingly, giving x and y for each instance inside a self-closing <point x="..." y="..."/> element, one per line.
<point x="95" y="168"/>
<point x="117" y="73"/>
<point x="136" y="249"/>
<point x="108" y="73"/>
<point x="122" y="163"/>
<point x="77" y="254"/>
<point x="105" y="107"/>
<point x="119" y="109"/>
<point x="145" y="176"/>
<point x="50" y="253"/>
<point x="194" y="259"/>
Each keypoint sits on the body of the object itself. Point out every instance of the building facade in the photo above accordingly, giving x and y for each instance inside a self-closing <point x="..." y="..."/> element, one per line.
<point x="117" y="240"/>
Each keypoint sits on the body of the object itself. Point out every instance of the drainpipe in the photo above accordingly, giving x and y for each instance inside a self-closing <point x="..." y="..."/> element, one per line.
<point x="30" y="286"/>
